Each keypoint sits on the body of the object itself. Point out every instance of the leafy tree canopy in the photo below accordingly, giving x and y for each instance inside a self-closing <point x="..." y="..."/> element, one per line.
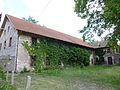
<point x="101" y="15"/>
<point x="30" y="19"/>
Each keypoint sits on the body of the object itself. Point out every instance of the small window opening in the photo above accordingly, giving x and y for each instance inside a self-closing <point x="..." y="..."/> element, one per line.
<point x="47" y="61"/>
<point x="10" y="42"/>
<point x="33" y="58"/>
<point x="34" y="40"/>
<point x="4" y="32"/>
<point x="4" y="44"/>
<point x="8" y="28"/>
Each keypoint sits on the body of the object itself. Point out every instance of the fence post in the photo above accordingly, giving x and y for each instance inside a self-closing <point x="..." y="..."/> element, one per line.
<point x="28" y="82"/>
<point x="12" y="78"/>
<point x="7" y="76"/>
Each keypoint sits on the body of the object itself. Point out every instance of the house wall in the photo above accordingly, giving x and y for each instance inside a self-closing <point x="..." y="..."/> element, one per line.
<point x="8" y="52"/>
<point x="106" y="59"/>
<point x="23" y="58"/>
<point x="117" y="59"/>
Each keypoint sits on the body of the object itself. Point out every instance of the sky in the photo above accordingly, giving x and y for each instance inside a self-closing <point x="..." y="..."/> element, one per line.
<point x="55" y="14"/>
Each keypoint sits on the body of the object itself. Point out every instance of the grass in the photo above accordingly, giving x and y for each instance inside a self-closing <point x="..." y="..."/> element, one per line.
<point x="73" y="78"/>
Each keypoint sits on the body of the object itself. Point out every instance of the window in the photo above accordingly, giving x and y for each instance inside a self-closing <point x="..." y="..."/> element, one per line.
<point x="108" y="50"/>
<point x="0" y="46"/>
<point x="47" y="61"/>
<point x="33" y="58"/>
<point x="4" y="32"/>
<point x="4" y="44"/>
<point x="8" y="28"/>
<point x="34" y="40"/>
<point x="10" y="42"/>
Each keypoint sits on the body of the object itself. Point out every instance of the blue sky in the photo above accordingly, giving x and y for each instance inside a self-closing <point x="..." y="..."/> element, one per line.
<point x="14" y="7"/>
<point x="55" y="14"/>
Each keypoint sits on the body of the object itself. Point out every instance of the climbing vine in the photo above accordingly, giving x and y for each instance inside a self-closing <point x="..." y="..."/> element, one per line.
<point x="56" y="52"/>
<point x="100" y="53"/>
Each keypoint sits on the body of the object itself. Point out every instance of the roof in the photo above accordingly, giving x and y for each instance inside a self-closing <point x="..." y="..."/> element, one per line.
<point x="100" y="44"/>
<point x="26" y="26"/>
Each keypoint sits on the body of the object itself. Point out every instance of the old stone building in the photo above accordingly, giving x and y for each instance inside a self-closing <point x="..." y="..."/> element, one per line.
<point x="109" y="57"/>
<point x="15" y="31"/>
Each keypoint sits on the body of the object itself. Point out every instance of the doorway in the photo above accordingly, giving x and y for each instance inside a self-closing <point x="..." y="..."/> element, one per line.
<point x="110" y="60"/>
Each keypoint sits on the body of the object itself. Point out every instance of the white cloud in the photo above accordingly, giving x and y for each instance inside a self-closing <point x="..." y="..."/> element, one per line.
<point x="58" y="15"/>
<point x="1" y="10"/>
<point x="1" y="6"/>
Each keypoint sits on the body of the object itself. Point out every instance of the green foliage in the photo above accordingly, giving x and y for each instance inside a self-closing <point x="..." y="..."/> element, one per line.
<point x="105" y="77"/>
<point x="55" y="52"/>
<point x="3" y="84"/>
<point x="30" y="19"/>
<point x="25" y="70"/>
<point x="101" y="15"/>
<point x="100" y="53"/>
<point x="6" y="86"/>
<point x="2" y="75"/>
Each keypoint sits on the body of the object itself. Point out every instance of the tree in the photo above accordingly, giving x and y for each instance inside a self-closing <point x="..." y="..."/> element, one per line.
<point x="30" y="19"/>
<point x="101" y="15"/>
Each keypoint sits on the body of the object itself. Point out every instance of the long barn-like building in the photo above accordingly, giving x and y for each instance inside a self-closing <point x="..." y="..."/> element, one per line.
<point x="15" y="31"/>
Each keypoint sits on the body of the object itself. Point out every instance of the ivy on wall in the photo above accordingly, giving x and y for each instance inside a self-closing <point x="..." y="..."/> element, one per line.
<point x="100" y="53"/>
<point x="55" y="52"/>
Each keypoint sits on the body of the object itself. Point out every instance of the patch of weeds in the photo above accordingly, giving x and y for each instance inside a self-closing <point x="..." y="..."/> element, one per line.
<point x="25" y="70"/>
<point x="6" y="86"/>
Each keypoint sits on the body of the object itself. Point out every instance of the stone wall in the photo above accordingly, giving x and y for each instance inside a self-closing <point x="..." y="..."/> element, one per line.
<point x="23" y="58"/>
<point x="114" y="56"/>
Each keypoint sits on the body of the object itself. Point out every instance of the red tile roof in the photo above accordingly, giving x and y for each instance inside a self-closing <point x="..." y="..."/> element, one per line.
<point x="41" y="30"/>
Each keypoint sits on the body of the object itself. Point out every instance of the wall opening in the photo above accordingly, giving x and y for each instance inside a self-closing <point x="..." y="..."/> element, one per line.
<point x="34" y="40"/>
<point x="110" y="60"/>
